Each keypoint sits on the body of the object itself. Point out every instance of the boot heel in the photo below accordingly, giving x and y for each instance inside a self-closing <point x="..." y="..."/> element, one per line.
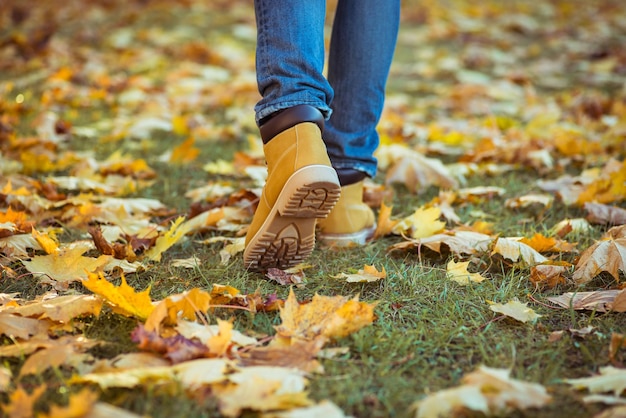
<point x="310" y="192"/>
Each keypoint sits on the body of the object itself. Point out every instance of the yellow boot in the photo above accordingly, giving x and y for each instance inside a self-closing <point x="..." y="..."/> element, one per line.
<point x="351" y="222"/>
<point x="301" y="186"/>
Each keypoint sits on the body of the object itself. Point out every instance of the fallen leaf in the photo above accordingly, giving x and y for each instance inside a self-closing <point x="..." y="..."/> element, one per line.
<point x="176" y="232"/>
<point x="123" y="298"/>
<point x="16" y="326"/>
<point x="548" y="275"/>
<point x="283" y="277"/>
<point x="300" y="354"/>
<point x="65" y="265"/>
<point x="5" y="379"/>
<point x="598" y="213"/>
<point x="600" y="300"/>
<point x="607" y="255"/>
<point x="423" y="223"/>
<point x="325" y="409"/>
<point x="184" y="153"/>
<point x="487" y="390"/>
<point x="385" y="224"/>
<point x="517" y="252"/>
<point x="21" y="403"/>
<point x="59" y="309"/>
<point x="610" y="379"/>
<point x="330" y="317"/>
<point x="617" y="341"/>
<point x="458" y="272"/>
<point x="261" y="388"/>
<point x="516" y="310"/>
<point x="367" y="274"/>
<point x="185" y="305"/>
<point x="79" y="405"/>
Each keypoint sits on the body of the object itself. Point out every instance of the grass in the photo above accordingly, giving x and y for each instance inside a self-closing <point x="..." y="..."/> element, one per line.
<point x="428" y="332"/>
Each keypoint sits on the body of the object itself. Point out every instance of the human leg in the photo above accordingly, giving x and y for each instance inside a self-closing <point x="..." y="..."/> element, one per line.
<point x="301" y="185"/>
<point x="362" y="46"/>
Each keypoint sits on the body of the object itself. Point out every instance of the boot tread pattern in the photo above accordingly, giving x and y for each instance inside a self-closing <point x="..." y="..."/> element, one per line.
<point x="312" y="201"/>
<point x="281" y="250"/>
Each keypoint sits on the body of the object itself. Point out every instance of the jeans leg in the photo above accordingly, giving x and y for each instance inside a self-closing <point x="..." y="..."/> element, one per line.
<point x="290" y="55"/>
<point x="362" y="45"/>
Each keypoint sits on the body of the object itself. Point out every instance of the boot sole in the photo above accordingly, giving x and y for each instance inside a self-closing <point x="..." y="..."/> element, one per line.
<point x="287" y="237"/>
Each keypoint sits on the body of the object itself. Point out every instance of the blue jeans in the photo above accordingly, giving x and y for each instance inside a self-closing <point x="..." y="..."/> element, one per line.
<point x="290" y="61"/>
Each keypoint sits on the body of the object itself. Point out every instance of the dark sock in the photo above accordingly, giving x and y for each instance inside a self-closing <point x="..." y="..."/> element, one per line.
<point x="349" y="176"/>
<point x="284" y="119"/>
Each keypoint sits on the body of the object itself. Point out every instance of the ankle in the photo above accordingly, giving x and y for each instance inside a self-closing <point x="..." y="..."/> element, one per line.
<point x="288" y="118"/>
<point x="348" y="176"/>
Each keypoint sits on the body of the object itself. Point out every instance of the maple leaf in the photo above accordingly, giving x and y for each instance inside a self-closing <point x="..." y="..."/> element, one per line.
<point x="15" y="326"/>
<point x="207" y="333"/>
<point x="21" y="403"/>
<point x="123" y="298"/>
<point x="366" y="274"/>
<point x="176" y="348"/>
<point x="517" y="251"/>
<point x="422" y="224"/>
<point x="65" y="265"/>
<point x="184" y="305"/>
<point x="516" y="310"/>
<point x="285" y="277"/>
<point x="414" y="170"/>
<point x="487" y="390"/>
<point x="171" y="237"/>
<point x="458" y="273"/>
<point x="599" y="300"/>
<point x="610" y="186"/>
<point x="69" y="351"/>
<point x="263" y="388"/>
<point x="548" y="274"/>
<point x="300" y="354"/>
<point x="330" y="317"/>
<point x="607" y="255"/>
<point x="458" y="242"/>
<point x="59" y="309"/>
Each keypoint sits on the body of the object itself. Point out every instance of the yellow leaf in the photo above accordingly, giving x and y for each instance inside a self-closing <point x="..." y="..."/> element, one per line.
<point x="458" y="273"/>
<point x="176" y="232"/>
<point x="610" y="379"/>
<point x="183" y="305"/>
<point x="185" y="152"/>
<point x="21" y="403"/>
<point x="366" y="274"/>
<point x="516" y="310"/>
<point x="516" y="251"/>
<point x="65" y="265"/>
<point x="385" y="225"/>
<point x="422" y="224"/>
<point x="123" y="299"/>
<point x="330" y="317"/>
<point x="59" y="309"/>
<point x="218" y="344"/>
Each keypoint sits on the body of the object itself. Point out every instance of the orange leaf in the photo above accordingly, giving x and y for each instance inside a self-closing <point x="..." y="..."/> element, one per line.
<point x="185" y="152"/>
<point x="80" y="404"/>
<point x="607" y="255"/>
<point x="385" y="224"/>
<point x="21" y="404"/>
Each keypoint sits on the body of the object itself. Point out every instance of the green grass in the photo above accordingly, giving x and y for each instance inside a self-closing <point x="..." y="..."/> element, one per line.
<point x="428" y="331"/>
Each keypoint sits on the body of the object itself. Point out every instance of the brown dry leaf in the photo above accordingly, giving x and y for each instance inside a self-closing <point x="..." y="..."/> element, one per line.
<point x="330" y="317"/>
<point x="21" y="403"/>
<point x="72" y="353"/>
<point x="610" y="379"/>
<point x="535" y="201"/>
<point x="548" y="275"/>
<point x="16" y="326"/>
<point x="598" y="213"/>
<point x="385" y="224"/>
<point x="414" y="170"/>
<point x="458" y="272"/>
<point x="487" y="390"/>
<point x="458" y="242"/>
<point x="300" y="355"/>
<point x="80" y="404"/>
<point x="516" y="310"/>
<point x="123" y="299"/>
<point x="284" y="277"/>
<point x="65" y="265"/>
<point x="607" y="255"/>
<point x="366" y="274"/>
<point x="600" y="300"/>
<point x="59" y="309"/>
<point x="517" y="252"/>
<point x="617" y="341"/>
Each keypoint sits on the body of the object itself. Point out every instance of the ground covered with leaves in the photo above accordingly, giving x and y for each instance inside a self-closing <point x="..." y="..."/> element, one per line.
<point x="130" y="167"/>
